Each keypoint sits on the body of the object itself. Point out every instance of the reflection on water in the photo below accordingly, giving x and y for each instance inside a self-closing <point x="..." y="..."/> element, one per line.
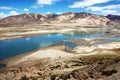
<point x="9" y="48"/>
<point x="27" y="39"/>
<point x="87" y="32"/>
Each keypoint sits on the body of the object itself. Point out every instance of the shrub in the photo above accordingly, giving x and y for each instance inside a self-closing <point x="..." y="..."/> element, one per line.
<point x="24" y="78"/>
<point x="64" y="77"/>
<point x="53" y="77"/>
<point x="109" y="72"/>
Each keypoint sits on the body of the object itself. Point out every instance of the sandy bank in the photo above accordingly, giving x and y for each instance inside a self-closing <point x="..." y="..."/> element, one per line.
<point x="43" y="54"/>
<point x="14" y="35"/>
<point x="56" y="52"/>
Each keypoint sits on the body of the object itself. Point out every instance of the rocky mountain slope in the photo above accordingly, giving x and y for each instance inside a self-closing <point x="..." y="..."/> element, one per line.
<point x="82" y="18"/>
<point x="114" y="18"/>
<point x="27" y="18"/>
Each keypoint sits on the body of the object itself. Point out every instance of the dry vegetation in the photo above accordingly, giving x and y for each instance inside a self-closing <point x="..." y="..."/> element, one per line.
<point x="76" y="68"/>
<point x="90" y="67"/>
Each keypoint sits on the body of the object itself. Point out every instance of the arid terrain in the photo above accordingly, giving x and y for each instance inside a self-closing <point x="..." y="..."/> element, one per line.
<point x="53" y="63"/>
<point x="36" y="24"/>
<point x="91" y="59"/>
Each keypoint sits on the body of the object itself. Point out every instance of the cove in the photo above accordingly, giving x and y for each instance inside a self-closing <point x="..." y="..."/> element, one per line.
<point x="9" y="48"/>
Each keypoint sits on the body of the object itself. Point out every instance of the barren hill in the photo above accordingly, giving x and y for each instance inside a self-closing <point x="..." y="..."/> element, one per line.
<point x="82" y="18"/>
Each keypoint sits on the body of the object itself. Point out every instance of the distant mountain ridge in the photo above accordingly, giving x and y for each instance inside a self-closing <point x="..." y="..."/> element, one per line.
<point x="82" y="18"/>
<point x="114" y="18"/>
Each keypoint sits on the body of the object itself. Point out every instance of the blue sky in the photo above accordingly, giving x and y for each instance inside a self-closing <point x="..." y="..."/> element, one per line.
<point x="100" y="7"/>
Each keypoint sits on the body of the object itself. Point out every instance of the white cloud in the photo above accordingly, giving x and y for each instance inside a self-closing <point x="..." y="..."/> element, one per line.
<point x="48" y="12"/>
<point x="95" y="8"/>
<point x="86" y="3"/>
<point x="2" y="15"/>
<point x="6" y="7"/>
<point x="37" y="6"/>
<point x="11" y="13"/>
<point x="46" y="2"/>
<point x="41" y="3"/>
<point x="26" y="10"/>
<point x="110" y="9"/>
<point x="112" y="6"/>
<point x="106" y="12"/>
<point x="59" y="13"/>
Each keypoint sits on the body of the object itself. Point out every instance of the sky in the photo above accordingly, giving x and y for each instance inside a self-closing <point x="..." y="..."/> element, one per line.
<point x="100" y="7"/>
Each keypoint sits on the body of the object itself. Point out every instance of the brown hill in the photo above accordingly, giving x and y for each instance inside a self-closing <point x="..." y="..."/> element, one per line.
<point x="26" y="18"/>
<point x="82" y="18"/>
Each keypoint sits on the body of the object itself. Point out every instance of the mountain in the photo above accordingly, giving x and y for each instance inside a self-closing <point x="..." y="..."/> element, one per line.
<point x="114" y="18"/>
<point x="26" y="18"/>
<point x="82" y="18"/>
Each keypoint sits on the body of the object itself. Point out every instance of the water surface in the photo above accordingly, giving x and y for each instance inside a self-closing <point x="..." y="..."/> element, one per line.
<point x="14" y="47"/>
<point x="9" y="48"/>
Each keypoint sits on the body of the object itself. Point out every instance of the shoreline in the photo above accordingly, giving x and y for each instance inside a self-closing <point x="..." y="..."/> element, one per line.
<point x="20" y="56"/>
<point x="17" y="35"/>
<point x="53" y="52"/>
<point x="12" y="34"/>
<point x="23" y="36"/>
<point x="55" y="49"/>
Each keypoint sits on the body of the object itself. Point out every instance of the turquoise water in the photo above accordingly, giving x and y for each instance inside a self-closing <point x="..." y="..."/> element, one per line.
<point x="9" y="48"/>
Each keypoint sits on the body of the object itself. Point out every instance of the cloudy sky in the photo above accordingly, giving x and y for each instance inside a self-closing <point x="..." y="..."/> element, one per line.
<point x="100" y="7"/>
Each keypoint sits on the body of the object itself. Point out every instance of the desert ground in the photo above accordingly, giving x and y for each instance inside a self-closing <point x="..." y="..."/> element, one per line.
<point x="59" y="62"/>
<point x="19" y="31"/>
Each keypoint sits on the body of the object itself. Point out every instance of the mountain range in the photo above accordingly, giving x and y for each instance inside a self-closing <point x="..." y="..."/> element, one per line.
<point x="81" y="18"/>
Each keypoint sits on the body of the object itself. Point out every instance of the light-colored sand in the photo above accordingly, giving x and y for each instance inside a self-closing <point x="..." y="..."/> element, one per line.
<point x="13" y="35"/>
<point x="35" y="32"/>
<point x="42" y="54"/>
<point x="84" y="49"/>
<point x="50" y="53"/>
<point x="112" y="45"/>
<point x="109" y="48"/>
<point x="55" y="54"/>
